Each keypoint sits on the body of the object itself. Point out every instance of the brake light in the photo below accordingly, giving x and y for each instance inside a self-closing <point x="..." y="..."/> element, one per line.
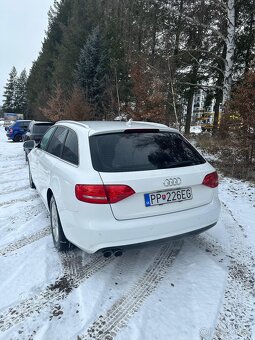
<point x="141" y="131"/>
<point x="211" y="180"/>
<point x="102" y="194"/>
<point x="10" y="130"/>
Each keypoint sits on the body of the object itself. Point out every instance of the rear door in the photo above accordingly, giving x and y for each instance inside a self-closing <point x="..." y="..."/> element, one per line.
<point x="47" y="161"/>
<point x="163" y="169"/>
<point x="36" y="159"/>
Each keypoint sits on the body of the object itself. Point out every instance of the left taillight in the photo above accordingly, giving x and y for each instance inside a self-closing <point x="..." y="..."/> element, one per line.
<point x="102" y="194"/>
<point x="211" y="180"/>
<point x="10" y="130"/>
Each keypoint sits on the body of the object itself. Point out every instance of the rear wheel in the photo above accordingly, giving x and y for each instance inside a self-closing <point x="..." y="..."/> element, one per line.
<point x="59" y="239"/>
<point x="17" y="138"/>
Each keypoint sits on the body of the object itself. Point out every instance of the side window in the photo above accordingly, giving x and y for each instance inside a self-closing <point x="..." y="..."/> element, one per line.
<point x="46" y="138"/>
<point x="24" y="125"/>
<point x="70" y="151"/>
<point x="56" y="143"/>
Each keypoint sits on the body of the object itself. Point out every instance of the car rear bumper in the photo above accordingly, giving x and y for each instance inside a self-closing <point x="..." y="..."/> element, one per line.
<point x="105" y="231"/>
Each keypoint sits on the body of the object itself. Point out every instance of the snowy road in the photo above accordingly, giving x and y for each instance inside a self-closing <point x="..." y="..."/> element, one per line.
<point x="197" y="288"/>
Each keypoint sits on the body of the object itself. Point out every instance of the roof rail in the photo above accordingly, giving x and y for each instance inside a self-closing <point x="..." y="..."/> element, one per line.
<point x="73" y="122"/>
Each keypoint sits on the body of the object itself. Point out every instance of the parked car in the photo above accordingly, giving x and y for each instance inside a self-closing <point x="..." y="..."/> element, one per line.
<point x="17" y="129"/>
<point x="35" y="132"/>
<point x="111" y="184"/>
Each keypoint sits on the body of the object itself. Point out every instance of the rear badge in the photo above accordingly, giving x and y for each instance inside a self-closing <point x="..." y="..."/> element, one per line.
<point x="173" y="181"/>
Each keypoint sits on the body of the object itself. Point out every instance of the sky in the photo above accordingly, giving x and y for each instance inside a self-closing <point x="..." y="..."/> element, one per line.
<point x="22" y="29"/>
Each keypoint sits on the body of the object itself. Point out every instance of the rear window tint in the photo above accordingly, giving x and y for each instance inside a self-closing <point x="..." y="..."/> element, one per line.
<point x="120" y="152"/>
<point x="24" y="124"/>
<point x="40" y="128"/>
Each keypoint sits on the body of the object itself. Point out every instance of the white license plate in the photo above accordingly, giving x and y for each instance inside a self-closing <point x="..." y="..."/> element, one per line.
<point x="170" y="196"/>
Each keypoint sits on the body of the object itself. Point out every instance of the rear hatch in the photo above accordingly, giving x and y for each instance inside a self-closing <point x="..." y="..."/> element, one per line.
<point x="163" y="169"/>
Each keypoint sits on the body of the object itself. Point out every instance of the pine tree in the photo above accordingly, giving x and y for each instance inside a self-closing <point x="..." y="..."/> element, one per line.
<point x="41" y="80"/>
<point x="88" y="64"/>
<point x="102" y="85"/>
<point x="9" y="93"/>
<point x="92" y="74"/>
<point x="21" y="93"/>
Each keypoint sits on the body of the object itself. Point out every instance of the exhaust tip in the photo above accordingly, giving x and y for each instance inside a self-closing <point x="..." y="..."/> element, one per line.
<point x="118" y="252"/>
<point x="107" y="253"/>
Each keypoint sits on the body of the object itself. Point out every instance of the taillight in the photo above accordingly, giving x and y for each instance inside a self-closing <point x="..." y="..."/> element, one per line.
<point x="102" y="194"/>
<point x="211" y="180"/>
<point x="10" y="130"/>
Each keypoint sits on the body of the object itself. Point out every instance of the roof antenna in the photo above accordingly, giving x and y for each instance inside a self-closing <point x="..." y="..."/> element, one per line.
<point x="129" y="122"/>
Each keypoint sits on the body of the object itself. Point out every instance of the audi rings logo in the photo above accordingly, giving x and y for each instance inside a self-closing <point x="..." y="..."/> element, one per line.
<point x="170" y="182"/>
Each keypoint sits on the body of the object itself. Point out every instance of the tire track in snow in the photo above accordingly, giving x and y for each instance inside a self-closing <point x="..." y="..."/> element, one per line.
<point x="74" y="275"/>
<point x="108" y="325"/>
<point x="211" y="247"/>
<point x="11" y="247"/>
<point x="8" y="191"/>
<point x="14" y="180"/>
<point x="30" y="197"/>
<point x="207" y="243"/>
<point x="235" y="318"/>
<point x="11" y="170"/>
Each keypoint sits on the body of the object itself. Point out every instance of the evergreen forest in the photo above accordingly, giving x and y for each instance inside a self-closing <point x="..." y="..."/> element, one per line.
<point x="140" y="59"/>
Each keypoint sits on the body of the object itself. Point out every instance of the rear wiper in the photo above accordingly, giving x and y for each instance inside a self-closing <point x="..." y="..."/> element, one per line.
<point x="181" y="164"/>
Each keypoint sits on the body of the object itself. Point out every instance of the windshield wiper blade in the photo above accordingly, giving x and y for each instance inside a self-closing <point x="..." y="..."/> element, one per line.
<point x="181" y="164"/>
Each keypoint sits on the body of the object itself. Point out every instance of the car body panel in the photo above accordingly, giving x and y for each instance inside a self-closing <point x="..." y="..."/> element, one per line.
<point x="143" y="182"/>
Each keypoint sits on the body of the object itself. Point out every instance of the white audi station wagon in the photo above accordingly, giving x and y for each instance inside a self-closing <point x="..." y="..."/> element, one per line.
<point x="111" y="184"/>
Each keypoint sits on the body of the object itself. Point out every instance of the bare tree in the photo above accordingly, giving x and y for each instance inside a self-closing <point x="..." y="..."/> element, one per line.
<point x="230" y="45"/>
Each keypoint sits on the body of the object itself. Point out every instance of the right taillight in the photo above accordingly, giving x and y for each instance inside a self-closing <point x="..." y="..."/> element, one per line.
<point x="102" y="194"/>
<point x="211" y="180"/>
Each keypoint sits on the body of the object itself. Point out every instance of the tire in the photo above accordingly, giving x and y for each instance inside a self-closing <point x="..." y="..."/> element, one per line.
<point x="17" y="138"/>
<point x="59" y="239"/>
<point x="31" y="182"/>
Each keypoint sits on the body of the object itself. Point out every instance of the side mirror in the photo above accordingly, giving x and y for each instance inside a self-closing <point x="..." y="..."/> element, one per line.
<point x="29" y="144"/>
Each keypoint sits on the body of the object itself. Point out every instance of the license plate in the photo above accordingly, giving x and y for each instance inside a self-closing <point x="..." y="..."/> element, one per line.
<point x="170" y="196"/>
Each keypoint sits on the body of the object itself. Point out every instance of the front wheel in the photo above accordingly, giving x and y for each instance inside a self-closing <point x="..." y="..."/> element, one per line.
<point x="59" y="239"/>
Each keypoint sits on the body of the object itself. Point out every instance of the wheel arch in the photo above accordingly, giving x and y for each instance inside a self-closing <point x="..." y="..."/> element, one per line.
<point x="64" y="239"/>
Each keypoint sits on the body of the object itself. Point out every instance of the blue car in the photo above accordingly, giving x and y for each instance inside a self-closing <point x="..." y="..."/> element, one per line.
<point x="17" y="129"/>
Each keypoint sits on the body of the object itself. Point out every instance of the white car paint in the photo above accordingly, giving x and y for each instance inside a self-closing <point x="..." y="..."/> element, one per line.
<point x="95" y="226"/>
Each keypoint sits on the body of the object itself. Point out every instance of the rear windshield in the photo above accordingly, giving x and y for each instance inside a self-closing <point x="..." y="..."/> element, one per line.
<point x="120" y="152"/>
<point x="41" y="128"/>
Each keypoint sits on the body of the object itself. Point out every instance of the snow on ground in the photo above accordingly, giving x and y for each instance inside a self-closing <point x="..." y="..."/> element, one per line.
<point x="200" y="287"/>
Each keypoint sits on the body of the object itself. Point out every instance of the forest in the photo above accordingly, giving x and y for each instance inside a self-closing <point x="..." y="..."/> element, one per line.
<point x="141" y="58"/>
<point x="146" y="60"/>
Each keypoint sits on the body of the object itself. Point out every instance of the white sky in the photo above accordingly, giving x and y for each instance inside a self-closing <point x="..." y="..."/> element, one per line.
<point x="22" y="28"/>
